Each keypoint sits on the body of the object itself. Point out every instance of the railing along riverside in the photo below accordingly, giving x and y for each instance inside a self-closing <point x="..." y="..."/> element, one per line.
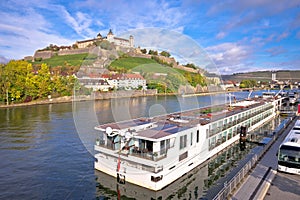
<point x="231" y="185"/>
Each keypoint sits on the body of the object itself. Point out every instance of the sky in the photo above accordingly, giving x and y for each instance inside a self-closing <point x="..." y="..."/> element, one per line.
<point x="238" y="36"/>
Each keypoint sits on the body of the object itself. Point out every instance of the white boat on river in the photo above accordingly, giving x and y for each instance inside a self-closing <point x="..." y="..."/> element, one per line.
<point x="154" y="152"/>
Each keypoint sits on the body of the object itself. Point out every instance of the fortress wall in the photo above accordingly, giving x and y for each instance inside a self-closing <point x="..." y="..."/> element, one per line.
<point x="43" y="54"/>
<point x="73" y="51"/>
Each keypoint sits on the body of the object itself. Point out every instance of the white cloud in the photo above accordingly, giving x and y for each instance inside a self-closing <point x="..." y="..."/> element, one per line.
<point x="23" y="33"/>
<point x="275" y="51"/>
<point x="282" y="36"/>
<point x="245" y="13"/>
<point x="220" y="35"/>
<point x="81" y="22"/>
<point x="229" y="57"/>
<point x="124" y="15"/>
<point x="40" y="23"/>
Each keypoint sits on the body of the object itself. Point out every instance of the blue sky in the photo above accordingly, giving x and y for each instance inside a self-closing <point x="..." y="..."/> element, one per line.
<point x="238" y="36"/>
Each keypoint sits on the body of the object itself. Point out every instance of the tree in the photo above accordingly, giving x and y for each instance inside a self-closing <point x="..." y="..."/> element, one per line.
<point x="190" y="65"/>
<point x="248" y="83"/>
<point x="152" y="52"/>
<point x="144" y="51"/>
<point x="13" y="80"/>
<point x="165" y="53"/>
<point x="44" y="81"/>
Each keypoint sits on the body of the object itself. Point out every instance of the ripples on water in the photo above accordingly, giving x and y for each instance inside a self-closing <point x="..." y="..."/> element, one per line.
<point x="42" y="155"/>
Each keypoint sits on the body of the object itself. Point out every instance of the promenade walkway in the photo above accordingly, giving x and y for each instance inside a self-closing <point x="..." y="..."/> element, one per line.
<point x="258" y="182"/>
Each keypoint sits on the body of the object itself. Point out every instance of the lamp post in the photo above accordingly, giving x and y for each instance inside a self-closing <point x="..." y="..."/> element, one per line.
<point x="7" y="97"/>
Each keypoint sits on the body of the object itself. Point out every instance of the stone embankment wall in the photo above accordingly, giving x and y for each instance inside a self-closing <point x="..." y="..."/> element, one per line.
<point x="124" y="94"/>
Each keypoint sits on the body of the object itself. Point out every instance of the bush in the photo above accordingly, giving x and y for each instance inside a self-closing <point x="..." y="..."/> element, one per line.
<point x="39" y="59"/>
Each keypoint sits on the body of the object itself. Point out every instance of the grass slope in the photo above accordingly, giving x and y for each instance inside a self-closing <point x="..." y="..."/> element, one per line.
<point x="72" y="60"/>
<point x="131" y="62"/>
<point x="157" y="75"/>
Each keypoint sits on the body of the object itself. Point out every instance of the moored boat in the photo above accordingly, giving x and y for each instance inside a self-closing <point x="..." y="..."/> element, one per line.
<point x="154" y="152"/>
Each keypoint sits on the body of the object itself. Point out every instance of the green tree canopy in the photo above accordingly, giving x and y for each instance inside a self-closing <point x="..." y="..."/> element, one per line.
<point x="165" y="53"/>
<point x="19" y="82"/>
<point x="248" y="83"/>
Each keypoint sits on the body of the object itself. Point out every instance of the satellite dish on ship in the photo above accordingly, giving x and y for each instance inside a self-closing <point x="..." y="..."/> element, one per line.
<point x="108" y="130"/>
<point x="111" y="132"/>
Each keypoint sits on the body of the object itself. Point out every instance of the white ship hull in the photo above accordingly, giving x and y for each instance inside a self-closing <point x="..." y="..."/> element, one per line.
<point x="157" y="171"/>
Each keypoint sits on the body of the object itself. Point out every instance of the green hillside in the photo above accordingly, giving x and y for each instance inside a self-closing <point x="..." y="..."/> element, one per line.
<point x="70" y="60"/>
<point x="293" y="75"/>
<point x="131" y="62"/>
<point x="158" y="76"/>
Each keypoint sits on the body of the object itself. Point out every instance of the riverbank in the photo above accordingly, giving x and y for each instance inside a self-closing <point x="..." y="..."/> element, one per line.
<point x="68" y="99"/>
<point x="105" y="96"/>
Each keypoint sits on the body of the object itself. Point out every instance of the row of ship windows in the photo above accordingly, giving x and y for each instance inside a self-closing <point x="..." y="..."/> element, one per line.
<point x="227" y="123"/>
<point x="226" y="135"/>
<point x="252" y="118"/>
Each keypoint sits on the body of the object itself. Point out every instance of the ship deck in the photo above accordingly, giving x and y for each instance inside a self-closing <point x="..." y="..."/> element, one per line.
<point x="172" y="123"/>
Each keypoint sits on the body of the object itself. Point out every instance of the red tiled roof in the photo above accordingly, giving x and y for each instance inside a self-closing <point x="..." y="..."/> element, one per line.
<point x="122" y="76"/>
<point x="134" y="76"/>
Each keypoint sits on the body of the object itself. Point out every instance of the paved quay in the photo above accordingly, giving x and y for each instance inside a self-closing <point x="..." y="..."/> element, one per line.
<point x="284" y="186"/>
<point x="258" y="182"/>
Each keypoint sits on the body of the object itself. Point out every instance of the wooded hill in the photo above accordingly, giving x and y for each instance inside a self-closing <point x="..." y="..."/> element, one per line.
<point x="293" y="75"/>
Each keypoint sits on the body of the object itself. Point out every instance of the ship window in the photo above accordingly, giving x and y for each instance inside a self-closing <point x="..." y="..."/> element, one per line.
<point x="157" y="178"/>
<point x="167" y="143"/>
<point x="191" y="139"/>
<point x="172" y="167"/>
<point x="183" y="156"/>
<point x="197" y="136"/>
<point x="162" y="147"/>
<point x="183" y="141"/>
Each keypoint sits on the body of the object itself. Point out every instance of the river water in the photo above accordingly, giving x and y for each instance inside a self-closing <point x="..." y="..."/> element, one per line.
<point x="46" y="151"/>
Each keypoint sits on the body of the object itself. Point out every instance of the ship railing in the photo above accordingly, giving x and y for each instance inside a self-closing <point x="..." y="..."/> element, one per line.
<point x="149" y="155"/>
<point x="101" y="143"/>
<point x="234" y="133"/>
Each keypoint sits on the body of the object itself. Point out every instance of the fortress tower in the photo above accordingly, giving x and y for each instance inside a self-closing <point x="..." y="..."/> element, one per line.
<point x="131" y="41"/>
<point x="110" y="36"/>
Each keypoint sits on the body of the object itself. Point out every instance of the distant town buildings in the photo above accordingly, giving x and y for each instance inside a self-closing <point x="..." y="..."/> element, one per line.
<point x="110" y="37"/>
<point x="106" y="82"/>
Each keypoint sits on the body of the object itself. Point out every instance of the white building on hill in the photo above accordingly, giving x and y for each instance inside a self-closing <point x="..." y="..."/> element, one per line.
<point x="110" y="37"/>
<point x="106" y="82"/>
<point x="126" y="81"/>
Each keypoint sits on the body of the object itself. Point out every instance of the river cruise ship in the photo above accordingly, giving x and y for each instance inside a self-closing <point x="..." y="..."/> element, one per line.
<point x="154" y="152"/>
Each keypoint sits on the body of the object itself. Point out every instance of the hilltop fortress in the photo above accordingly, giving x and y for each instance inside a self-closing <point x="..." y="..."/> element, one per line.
<point x="82" y="46"/>
<point x="110" y="37"/>
<point x="118" y="44"/>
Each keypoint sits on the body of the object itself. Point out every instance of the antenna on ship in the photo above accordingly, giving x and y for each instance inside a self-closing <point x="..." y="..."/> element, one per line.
<point x="229" y="99"/>
<point x="278" y="93"/>
<point x="249" y="94"/>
